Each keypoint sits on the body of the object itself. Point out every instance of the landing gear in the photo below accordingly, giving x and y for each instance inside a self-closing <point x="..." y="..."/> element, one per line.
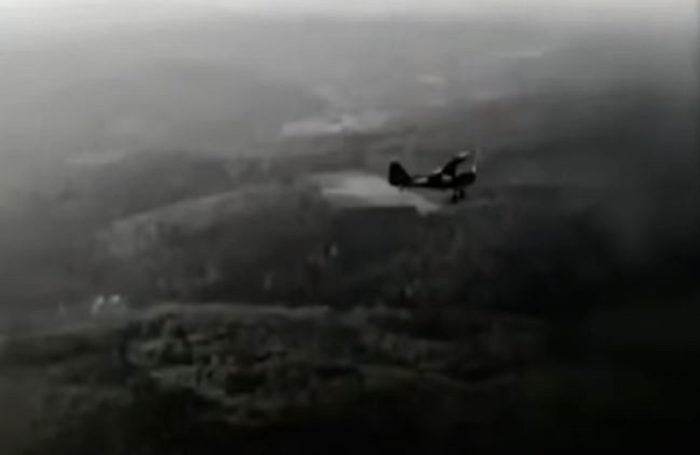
<point x="458" y="195"/>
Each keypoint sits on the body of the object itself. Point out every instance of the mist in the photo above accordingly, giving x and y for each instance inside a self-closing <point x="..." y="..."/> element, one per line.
<point x="214" y="173"/>
<point x="62" y="57"/>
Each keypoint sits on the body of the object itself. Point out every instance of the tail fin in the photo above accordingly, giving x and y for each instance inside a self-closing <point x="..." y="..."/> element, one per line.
<point x="398" y="175"/>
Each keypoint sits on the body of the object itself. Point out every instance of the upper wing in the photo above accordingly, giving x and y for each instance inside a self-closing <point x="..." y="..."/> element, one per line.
<point x="450" y="168"/>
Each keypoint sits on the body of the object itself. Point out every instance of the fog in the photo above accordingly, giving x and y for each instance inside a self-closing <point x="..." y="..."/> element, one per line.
<point x="216" y="171"/>
<point x="95" y="75"/>
<point x="599" y="94"/>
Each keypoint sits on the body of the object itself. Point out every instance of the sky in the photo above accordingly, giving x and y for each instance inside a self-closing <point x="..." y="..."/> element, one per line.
<point x="524" y="7"/>
<point x="30" y="22"/>
<point x="42" y="19"/>
<point x="455" y="6"/>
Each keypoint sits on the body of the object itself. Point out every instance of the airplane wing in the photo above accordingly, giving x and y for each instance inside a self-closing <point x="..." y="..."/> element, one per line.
<point x="450" y="168"/>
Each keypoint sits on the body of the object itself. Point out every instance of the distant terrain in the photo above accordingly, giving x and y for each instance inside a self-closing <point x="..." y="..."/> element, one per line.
<point x="264" y="316"/>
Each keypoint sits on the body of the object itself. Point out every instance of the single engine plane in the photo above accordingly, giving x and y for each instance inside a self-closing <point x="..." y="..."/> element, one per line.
<point x="445" y="178"/>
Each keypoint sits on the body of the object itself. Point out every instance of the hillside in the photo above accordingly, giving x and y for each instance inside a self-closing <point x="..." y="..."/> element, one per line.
<point x="224" y="183"/>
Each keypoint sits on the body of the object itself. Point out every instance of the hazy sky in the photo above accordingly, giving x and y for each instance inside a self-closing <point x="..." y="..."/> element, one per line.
<point x="663" y="7"/>
<point x="37" y="21"/>
<point x="45" y="20"/>
<point x="452" y="6"/>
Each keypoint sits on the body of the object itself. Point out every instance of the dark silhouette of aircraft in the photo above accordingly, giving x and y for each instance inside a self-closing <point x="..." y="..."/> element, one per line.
<point x="445" y="178"/>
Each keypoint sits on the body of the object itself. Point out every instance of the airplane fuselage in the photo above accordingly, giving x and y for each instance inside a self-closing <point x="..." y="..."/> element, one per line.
<point x="446" y="178"/>
<point x="443" y="182"/>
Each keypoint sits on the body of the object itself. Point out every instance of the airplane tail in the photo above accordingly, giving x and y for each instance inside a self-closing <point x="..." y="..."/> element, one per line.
<point x="398" y="175"/>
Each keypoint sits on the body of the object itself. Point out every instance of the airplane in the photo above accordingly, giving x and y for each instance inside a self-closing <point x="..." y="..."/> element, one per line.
<point x="445" y="178"/>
